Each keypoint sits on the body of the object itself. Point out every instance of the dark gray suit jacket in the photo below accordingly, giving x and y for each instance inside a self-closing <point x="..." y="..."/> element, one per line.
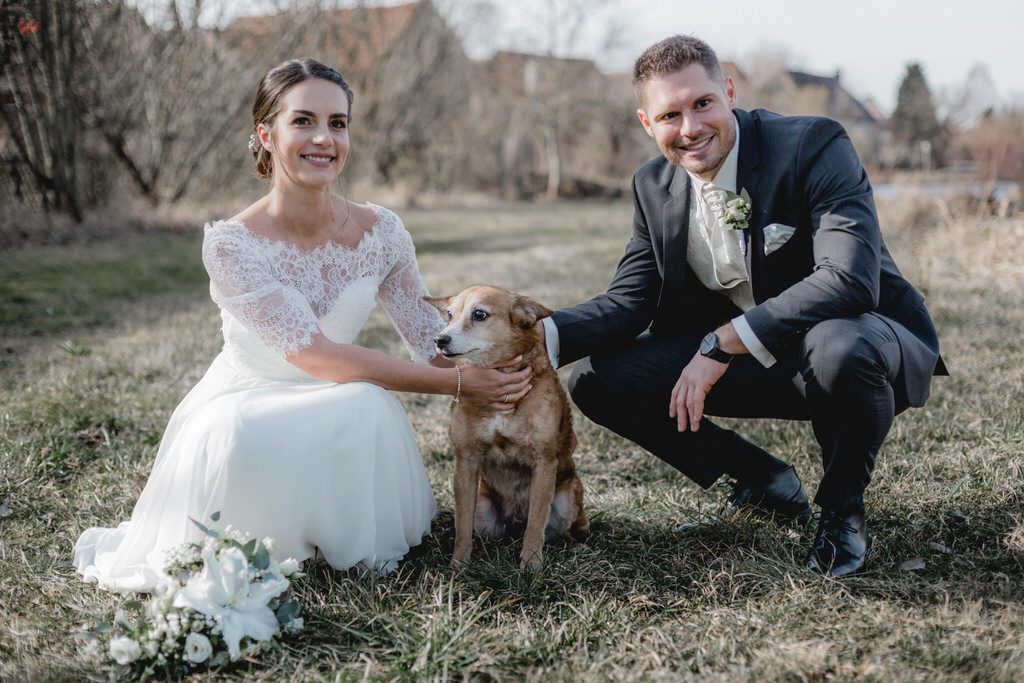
<point x="801" y="172"/>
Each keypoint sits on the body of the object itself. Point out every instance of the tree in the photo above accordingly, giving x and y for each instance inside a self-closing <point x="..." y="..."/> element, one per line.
<point x="168" y="98"/>
<point x="97" y="93"/>
<point x="914" y="122"/>
<point x="965" y="106"/>
<point x="39" y="50"/>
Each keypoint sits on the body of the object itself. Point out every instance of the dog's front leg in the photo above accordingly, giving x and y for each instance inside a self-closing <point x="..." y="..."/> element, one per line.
<point x="465" y="484"/>
<point x="542" y="492"/>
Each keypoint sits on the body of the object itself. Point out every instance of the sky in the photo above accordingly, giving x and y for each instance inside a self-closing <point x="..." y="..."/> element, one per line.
<point x="869" y="42"/>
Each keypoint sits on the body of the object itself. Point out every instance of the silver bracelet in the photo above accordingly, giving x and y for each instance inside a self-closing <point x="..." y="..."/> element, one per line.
<point x="458" y="384"/>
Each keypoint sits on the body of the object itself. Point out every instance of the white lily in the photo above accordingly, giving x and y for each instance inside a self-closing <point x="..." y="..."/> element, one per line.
<point x="222" y="589"/>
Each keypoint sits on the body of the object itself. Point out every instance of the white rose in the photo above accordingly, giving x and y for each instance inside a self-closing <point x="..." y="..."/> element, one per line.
<point x="124" y="650"/>
<point x="289" y="566"/>
<point x="197" y="648"/>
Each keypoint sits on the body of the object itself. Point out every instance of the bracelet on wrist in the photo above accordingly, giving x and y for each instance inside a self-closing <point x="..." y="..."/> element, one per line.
<point x="458" y="384"/>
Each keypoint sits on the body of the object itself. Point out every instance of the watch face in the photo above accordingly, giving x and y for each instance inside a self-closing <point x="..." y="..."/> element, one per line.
<point x="709" y="343"/>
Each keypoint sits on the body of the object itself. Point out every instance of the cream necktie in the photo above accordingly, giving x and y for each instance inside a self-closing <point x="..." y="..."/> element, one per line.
<point x="726" y="244"/>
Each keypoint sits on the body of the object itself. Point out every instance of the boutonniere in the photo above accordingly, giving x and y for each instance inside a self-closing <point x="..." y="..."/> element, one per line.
<point x="737" y="210"/>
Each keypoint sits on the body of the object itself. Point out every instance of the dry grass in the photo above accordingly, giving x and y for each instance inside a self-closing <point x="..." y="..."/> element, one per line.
<point x="101" y="341"/>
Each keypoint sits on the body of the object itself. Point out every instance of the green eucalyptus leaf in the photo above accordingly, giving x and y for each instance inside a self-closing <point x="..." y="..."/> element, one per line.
<point x="261" y="560"/>
<point x="215" y="516"/>
<point x="206" y="529"/>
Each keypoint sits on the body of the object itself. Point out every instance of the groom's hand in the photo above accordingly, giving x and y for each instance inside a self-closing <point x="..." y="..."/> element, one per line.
<point x="696" y="380"/>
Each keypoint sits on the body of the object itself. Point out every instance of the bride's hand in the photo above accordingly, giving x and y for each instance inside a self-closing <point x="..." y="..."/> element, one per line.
<point x="500" y="390"/>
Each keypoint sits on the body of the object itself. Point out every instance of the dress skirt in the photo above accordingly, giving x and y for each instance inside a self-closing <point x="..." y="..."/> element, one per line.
<point x="310" y="464"/>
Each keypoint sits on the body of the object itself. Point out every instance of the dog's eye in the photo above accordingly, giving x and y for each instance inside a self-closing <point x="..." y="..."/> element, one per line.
<point x="479" y="315"/>
<point x="449" y="313"/>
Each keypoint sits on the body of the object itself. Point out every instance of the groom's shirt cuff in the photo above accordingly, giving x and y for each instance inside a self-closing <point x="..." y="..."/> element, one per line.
<point x="551" y="340"/>
<point x="750" y="340"/>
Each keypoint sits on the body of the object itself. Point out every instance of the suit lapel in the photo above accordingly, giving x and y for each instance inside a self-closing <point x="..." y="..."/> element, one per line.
<point x="675" y="219"/>
<point x="747" y="178"/>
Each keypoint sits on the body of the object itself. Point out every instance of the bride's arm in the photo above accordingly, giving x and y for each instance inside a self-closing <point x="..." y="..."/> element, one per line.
<point x="242" y="283"/>
<point x="341" y="363"/>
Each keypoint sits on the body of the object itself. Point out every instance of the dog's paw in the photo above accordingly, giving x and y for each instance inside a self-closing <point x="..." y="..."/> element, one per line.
<point x="461" y="556"/>
<point x="531" y="560"/>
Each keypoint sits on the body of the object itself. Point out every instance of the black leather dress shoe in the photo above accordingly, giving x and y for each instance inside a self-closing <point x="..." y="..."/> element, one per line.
<point x="840" y="546"/>
<point x="779" y="495"/>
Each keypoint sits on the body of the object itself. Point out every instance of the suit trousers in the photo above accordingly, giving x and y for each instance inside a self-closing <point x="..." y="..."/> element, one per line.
<point x="843" y="377"/>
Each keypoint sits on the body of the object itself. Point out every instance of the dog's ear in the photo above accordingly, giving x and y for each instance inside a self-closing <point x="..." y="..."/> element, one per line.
<point x="526" y="312"/>
<point x="438" y="302"/>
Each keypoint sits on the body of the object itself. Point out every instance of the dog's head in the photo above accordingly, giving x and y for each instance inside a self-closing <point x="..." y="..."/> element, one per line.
<point x="487" y="325"/>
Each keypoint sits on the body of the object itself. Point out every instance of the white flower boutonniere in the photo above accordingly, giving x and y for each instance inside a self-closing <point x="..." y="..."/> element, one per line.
<point x="737" y="210"/>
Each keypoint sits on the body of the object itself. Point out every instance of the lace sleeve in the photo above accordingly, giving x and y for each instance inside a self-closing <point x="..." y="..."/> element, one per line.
<point x="243" y="284"/>
<point x="402" y="293"/>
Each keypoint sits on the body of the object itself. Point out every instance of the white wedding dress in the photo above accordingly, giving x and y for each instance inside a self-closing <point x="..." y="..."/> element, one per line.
<point x="310" y="463"/>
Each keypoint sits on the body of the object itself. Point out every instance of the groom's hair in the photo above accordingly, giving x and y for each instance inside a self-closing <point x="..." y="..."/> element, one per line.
<point x="273" y="86"/>
<point x="674" y="54"/>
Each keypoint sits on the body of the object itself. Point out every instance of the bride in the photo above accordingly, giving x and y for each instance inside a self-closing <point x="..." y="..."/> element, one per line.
<point x="292" y="433"/>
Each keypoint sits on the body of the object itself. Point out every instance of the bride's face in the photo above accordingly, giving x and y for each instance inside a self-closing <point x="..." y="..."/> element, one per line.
<point x="309" y="136"/>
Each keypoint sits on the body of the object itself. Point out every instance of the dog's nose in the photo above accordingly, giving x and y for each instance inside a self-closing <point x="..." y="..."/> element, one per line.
<point x="442" y="341"/>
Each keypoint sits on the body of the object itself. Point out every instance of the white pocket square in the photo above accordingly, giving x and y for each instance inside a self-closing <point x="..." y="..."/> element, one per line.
<point x="775" y="235"/>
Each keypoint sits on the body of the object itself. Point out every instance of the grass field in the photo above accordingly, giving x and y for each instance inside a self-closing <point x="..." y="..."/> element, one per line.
<point x="99" y="342"/>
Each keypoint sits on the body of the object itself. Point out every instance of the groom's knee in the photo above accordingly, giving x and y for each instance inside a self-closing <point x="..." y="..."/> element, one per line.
<point x="837" y="354"/>
<point x="587" y="389"/>
<point x="606" y="388"/>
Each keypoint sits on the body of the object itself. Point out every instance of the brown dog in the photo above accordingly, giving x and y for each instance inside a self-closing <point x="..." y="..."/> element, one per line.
<point x="511" y="466"/>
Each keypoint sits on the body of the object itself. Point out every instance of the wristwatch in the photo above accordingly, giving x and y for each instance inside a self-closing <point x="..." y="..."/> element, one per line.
<point x="709" y="347"/>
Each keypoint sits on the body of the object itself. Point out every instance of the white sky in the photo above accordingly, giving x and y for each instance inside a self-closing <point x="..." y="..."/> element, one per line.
<point x="869" y="41"/>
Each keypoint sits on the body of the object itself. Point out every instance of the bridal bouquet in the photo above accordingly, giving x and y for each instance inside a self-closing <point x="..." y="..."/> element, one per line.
<point x="219" y="600"/>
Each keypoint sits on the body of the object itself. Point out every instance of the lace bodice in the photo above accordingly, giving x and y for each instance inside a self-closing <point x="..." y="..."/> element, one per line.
<point x="275" y="297"/>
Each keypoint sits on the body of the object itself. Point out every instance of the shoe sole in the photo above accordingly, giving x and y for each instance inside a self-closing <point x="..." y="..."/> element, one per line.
<point x="801" y="520"/>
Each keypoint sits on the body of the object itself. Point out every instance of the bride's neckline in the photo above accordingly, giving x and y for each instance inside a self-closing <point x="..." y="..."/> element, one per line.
<point x="377" y="210"/>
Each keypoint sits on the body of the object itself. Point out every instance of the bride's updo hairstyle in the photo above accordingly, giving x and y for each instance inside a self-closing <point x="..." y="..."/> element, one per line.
<point x="272" y="88"/>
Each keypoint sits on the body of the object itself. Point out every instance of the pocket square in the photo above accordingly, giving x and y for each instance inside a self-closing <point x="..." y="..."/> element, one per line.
<point x="775" y="235"/>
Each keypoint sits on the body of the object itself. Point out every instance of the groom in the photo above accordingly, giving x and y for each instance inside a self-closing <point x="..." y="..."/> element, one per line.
<point x="757" y="264"/>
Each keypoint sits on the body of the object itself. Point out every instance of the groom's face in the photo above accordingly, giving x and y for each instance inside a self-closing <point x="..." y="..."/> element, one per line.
<point x="689" y="115"/>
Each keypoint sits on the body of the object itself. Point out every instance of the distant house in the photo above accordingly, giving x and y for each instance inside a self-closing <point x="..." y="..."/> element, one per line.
<point x="351" y="40"/>
<point x="864" y="123"/>
<point x="565" y="128"/>
<point x="798" y="92"/>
